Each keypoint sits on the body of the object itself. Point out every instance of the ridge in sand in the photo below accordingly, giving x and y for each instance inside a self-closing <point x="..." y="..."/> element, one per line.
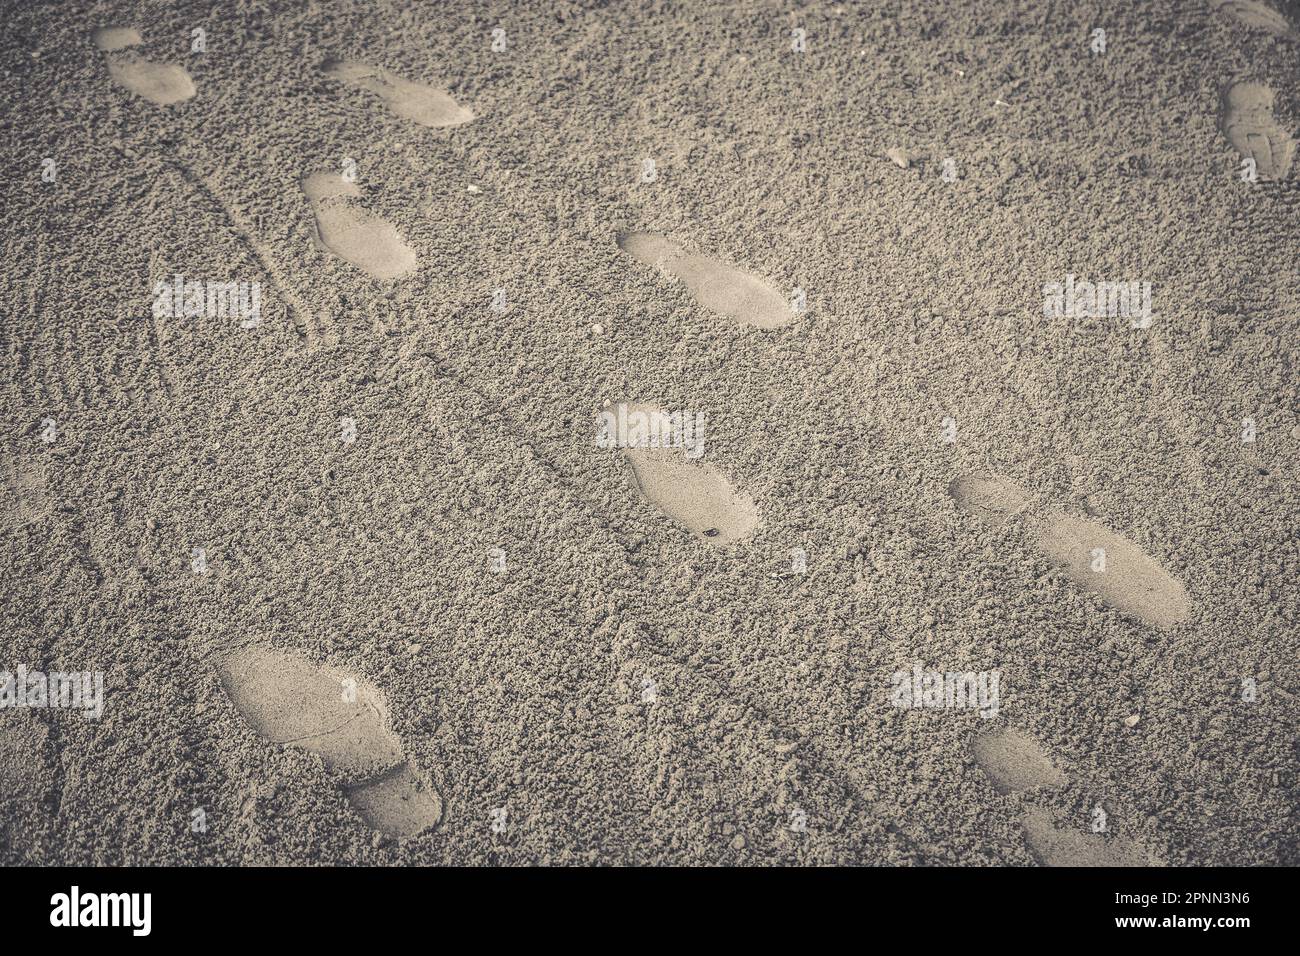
<point x="343" y="720"/>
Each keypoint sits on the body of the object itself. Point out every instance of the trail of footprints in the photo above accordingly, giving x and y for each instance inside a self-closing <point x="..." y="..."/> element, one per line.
<point x="696" y="495"/>
<point x="343" y="720"/>
<point x="1015" y="763"/>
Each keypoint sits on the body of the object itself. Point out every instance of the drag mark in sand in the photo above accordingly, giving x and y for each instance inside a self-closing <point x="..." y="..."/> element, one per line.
<point x="1247" y="121"/>
<point x="160" y="83"/>
<point x="305" y="321"/>
<point x="739" y="296"/>
<point x="343" y="720"/>
<point x="1090" y="554"/>
<point x="426" y="105"/>
<point x="353" y="234"/>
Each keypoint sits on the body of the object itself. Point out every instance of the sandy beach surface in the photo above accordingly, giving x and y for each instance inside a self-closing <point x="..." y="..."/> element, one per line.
<point x="333" y="334"/>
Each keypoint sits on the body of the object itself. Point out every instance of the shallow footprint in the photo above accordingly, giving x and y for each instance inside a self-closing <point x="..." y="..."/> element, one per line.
<point x="694" y="494"/>
<point x="1059" y="846"/>
<point x="728" y="291"/>
<point x="417" y="102"/>
<point x="1090" y="554"/>
<point x="291" y="701"/>
<point x="1132" y="580"/>
<point x="1014" y="761"/>
<point x="990" y="497"/>
<point x="161" y="83"/>
<point x="116" y="38"/>
<point x="397" y="803"/>
<point x="1256" y="14"/>
<point x="23" y="487"/>
<point x="354" y="234"/>
<point x="1248" y="123"/>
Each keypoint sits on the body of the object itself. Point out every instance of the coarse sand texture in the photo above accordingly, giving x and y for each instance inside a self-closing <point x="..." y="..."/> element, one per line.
<point x="650" y="434"/>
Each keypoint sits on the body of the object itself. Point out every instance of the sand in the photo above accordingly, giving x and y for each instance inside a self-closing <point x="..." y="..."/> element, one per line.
<point x="364" y="588"/>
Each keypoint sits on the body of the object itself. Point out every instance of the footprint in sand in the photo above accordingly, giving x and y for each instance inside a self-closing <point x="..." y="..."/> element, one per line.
<point x="161" y="83"/>
<point x="693" y="493"/>
<point x="354" y="234"/>
<point x="421" y="104"/>
<point x="1090" y="554"/>
<point x="342" y="719"/>
<point x="1014" y="762"/>
<point x="1255" y="14"/>
<point x="1055" y="845"/>
<point x="23" y="487"/>
<point x="731" y="293"/>
<point x="1248" y="124"/>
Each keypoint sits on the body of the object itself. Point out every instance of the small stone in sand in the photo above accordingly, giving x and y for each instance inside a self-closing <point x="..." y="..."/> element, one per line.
<point x="1131" y="720"/>
<point x="900" y="156"/>
<point x="597" y="329"/>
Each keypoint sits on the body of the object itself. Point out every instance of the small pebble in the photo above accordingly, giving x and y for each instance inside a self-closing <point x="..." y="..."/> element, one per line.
<point x="738" y="843"/>
<point x="473" y="189"/>
<point x="598" y="329"/>
<point x="1131" y="720"/>
<point x="901" y="157"/>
